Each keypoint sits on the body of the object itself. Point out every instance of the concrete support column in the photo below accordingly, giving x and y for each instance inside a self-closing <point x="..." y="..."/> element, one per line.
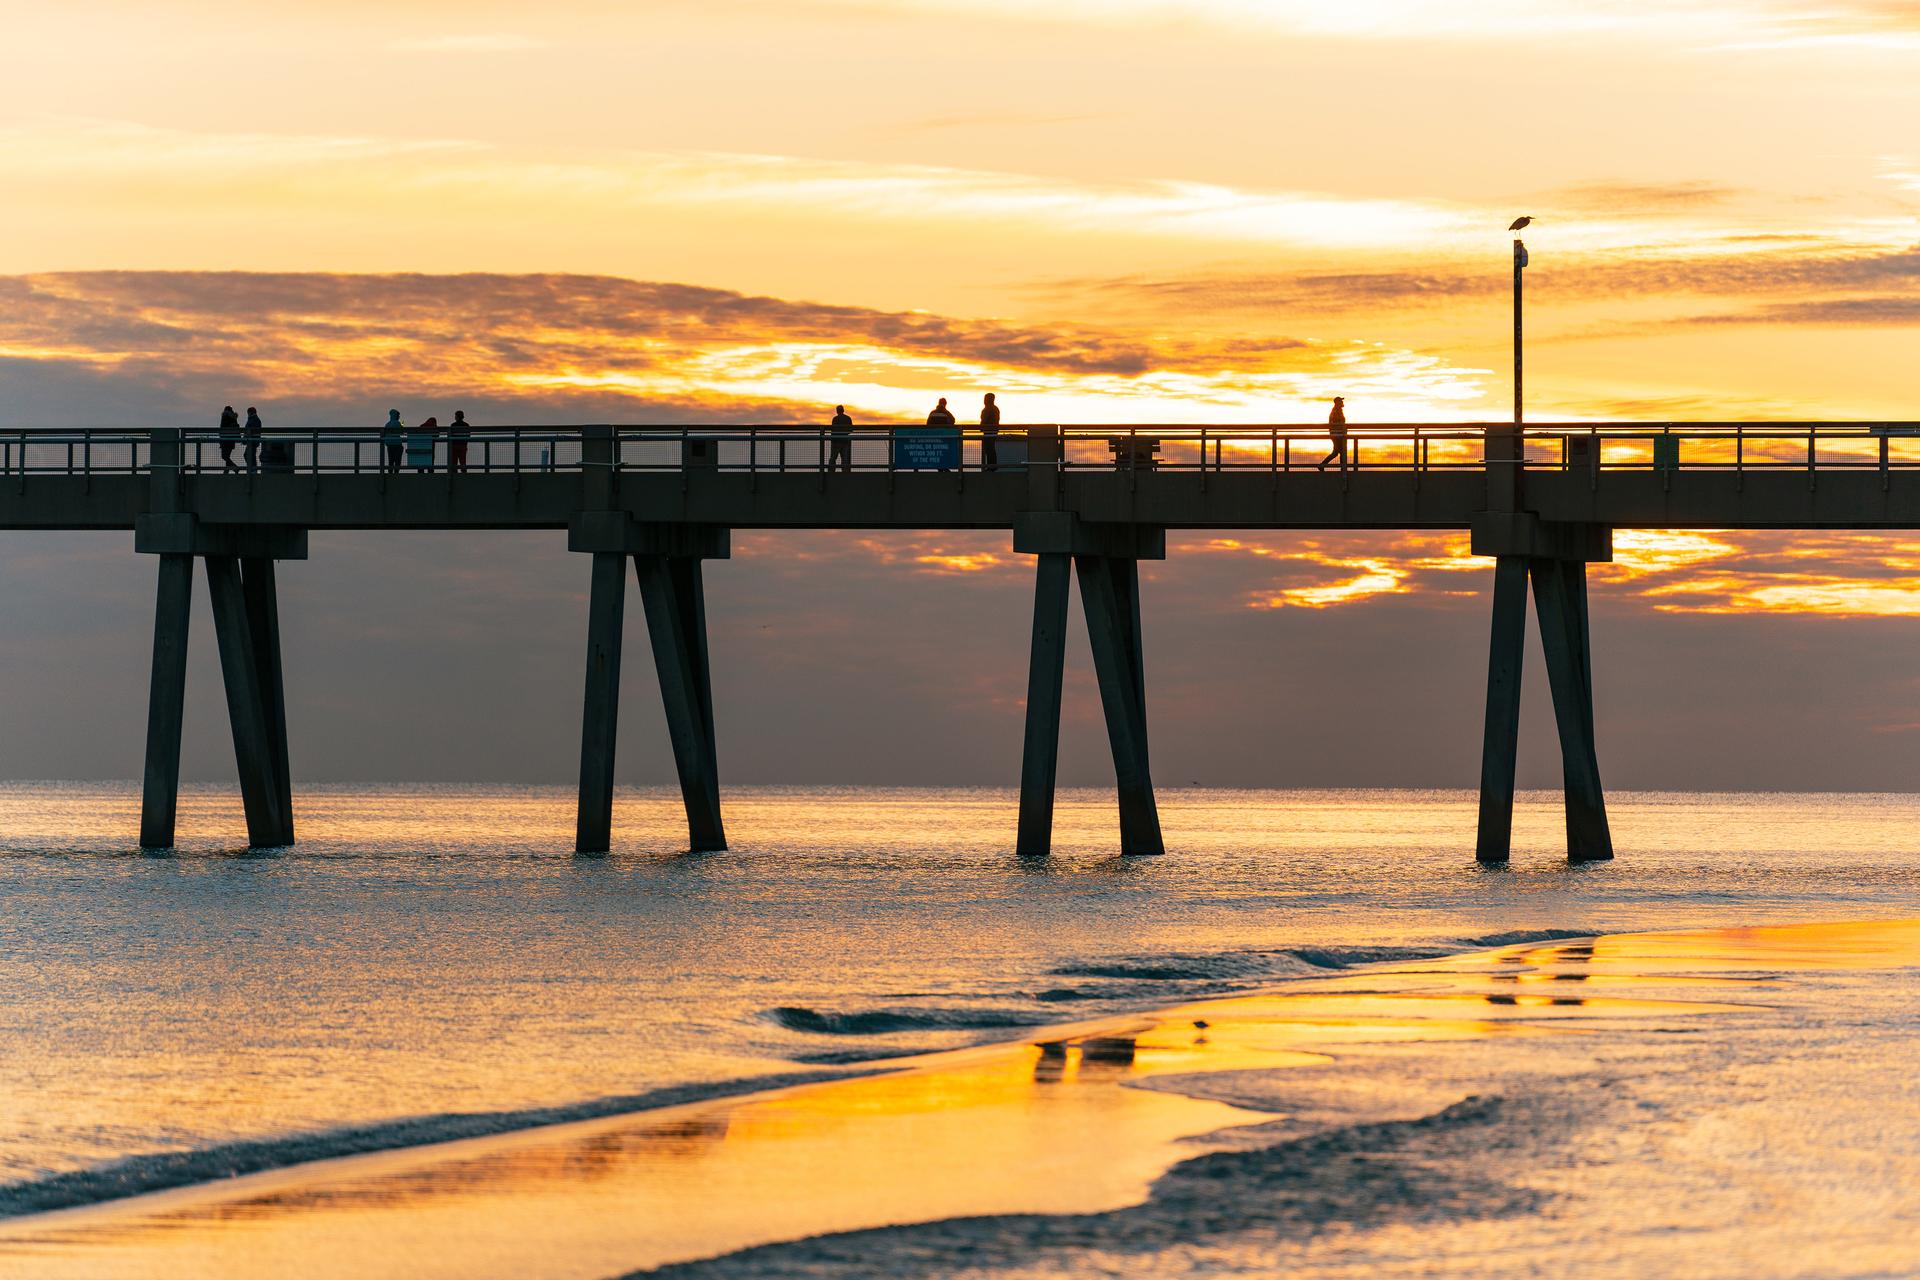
<point x="246" y="705"/>
<point x="1500" y="749"/>
<point x="1560" y="598"/>
<point x="600" y="712"/>
<point x="263" y="623"/>
<point x="673" y="590"/>
<point x="1110" y="596"/>
<point x="166" y="702"/>
<point x="1039" y="762"/>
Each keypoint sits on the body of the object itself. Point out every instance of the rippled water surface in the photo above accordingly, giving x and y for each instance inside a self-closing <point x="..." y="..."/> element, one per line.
<point x="426" y="952"/>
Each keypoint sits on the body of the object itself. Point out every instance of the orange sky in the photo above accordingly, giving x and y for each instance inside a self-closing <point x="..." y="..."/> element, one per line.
<point x="1223" y="210"/>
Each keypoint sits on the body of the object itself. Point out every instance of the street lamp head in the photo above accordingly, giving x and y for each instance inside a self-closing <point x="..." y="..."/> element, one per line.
<point x="1519" y="224"/>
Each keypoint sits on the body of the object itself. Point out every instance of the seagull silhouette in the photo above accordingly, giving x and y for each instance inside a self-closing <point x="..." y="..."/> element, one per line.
<point x="1518" y="223"/>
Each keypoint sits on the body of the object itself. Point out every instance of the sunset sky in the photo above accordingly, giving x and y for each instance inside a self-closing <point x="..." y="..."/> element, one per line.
<point x="1103" y="210"/>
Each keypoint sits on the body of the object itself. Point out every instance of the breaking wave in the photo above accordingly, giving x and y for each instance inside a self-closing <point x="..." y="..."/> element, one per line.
<point x="880" y="1022"/>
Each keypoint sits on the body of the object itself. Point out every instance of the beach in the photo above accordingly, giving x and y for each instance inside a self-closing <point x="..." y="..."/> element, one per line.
<point x="398" y="1050"/>
<point x="1707" y="1102"/>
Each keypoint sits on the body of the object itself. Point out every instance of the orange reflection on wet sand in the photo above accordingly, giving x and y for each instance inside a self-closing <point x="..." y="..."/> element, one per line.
<point x="1048" y="1126"/>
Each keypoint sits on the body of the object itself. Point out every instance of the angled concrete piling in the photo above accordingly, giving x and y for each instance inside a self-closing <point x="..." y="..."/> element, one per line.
<point x="1106" y="560"/>
<point x="1046" y="672"/>
<point x="241" y="587"/>
<point x="666" y="561"/>
<point x="1552" y="559"/>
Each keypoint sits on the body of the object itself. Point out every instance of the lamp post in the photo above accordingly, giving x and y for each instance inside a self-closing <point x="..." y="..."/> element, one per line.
<point x="1519" y="265"/>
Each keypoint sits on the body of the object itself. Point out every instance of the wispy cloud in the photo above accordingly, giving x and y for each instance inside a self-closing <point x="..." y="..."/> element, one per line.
<point x="1706" y="24"/>
<point x="1612" y="195"/>
<point x="1747" y="269"/>
<point x="482" y="42"/>
<point x="352" y="168"/>
<point x="1825" y="311"/>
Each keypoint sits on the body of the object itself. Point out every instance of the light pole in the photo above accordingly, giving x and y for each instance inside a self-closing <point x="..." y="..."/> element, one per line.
<point x="1519" y="265"/>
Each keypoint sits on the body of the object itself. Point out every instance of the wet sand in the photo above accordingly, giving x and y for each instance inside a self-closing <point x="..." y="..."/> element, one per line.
<point x="1054" y="1153"/>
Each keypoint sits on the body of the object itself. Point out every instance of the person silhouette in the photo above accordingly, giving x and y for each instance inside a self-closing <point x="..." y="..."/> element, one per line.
<point x="253" y="432"/>
<point x="393" y="441"/>
<point x="1337" y="434"/>
<point x="841" y="451"/>
<point x="989" y="434"/>
<point x="229" y="436"/>
<point x="943" y="417"/>
<point x="458" y="433"/>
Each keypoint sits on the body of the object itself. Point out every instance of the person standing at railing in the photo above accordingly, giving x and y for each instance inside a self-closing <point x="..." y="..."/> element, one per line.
<point x="989" y="434"/>
<point x="229" y="437"/>
<point x="393" y="439"/>
<point x="840" y="438"/>
<point x="1337" y="434"/>
<point x="943" y="417"/>
<point x="458" y="433"/>
<point x="420" y="445"/>
<point x="254" y="429"/>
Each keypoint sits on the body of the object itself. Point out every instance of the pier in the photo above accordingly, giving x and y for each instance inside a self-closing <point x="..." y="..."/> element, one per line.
<point x="1087" y="503"/>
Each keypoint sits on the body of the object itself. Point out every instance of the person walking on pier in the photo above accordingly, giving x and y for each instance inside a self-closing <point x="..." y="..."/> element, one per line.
<point x="253" y="432"/>
<point x="229" y="437"/>
<point x="393" y="439"/>
<point x="420" y="445"/>
<point x="989" y="434"/>
<point x="1337" y="434"/>
<point x="458" y="433"/>
<point x="840" y="452"/>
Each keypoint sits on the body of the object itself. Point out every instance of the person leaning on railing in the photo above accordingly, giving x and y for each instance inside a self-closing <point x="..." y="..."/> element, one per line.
<point x="458" y="433"/>
<point x="989" y="434"/>
<point x="840" y="438"/>
<point x="393" y="442"/>
<point x="229" y="437"/>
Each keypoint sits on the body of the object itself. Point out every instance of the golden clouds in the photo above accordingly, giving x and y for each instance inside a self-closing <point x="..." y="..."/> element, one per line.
<point x="1670" y="571"/>
<point x="639" y="348"/>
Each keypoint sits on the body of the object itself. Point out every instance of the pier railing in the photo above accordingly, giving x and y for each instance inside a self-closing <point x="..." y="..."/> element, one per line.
<point x="777" y="448"/>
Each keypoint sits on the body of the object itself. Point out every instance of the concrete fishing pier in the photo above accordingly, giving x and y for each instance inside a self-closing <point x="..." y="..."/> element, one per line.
<point x="1088" y="503"/>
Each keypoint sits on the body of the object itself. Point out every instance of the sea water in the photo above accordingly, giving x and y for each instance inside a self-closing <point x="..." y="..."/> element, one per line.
<point x="430" y="962"/>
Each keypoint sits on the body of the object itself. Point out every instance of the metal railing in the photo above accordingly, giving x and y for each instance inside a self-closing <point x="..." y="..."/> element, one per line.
<point x="776" y="449"/>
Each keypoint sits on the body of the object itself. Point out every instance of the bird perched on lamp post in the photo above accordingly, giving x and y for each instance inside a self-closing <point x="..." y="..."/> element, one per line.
<point x="1520" y="223"/>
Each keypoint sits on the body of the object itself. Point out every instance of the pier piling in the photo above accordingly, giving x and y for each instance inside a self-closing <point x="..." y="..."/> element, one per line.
<point x="246" y="616"/>
<point x="166" y="701"/>
<point x="600" y="707"/>
<point x="1046" y="671"/>
<point x="1110" y="596"/>
<point x="258" y="587"/>
<point x="240" y="668"/>
<point x="667" y="562"/>
<point x="1560" y="599"/>
<point x="1552" y="558"/>
<point x="1499" y="752"/>
<point x="1106" y="558"/>
<point x="673" y="591"/>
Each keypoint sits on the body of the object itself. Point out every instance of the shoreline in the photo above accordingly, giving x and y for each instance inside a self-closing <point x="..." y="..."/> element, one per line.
<point x="149" y="1173"/>
<point x="1062" y="1084"/>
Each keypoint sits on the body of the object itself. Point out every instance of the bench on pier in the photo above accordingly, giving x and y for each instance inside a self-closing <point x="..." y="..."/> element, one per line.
<point x="1134" y="453"/>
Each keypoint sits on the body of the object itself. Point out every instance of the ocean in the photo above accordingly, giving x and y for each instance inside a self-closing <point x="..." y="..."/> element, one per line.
<point x="433" y="962"/>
